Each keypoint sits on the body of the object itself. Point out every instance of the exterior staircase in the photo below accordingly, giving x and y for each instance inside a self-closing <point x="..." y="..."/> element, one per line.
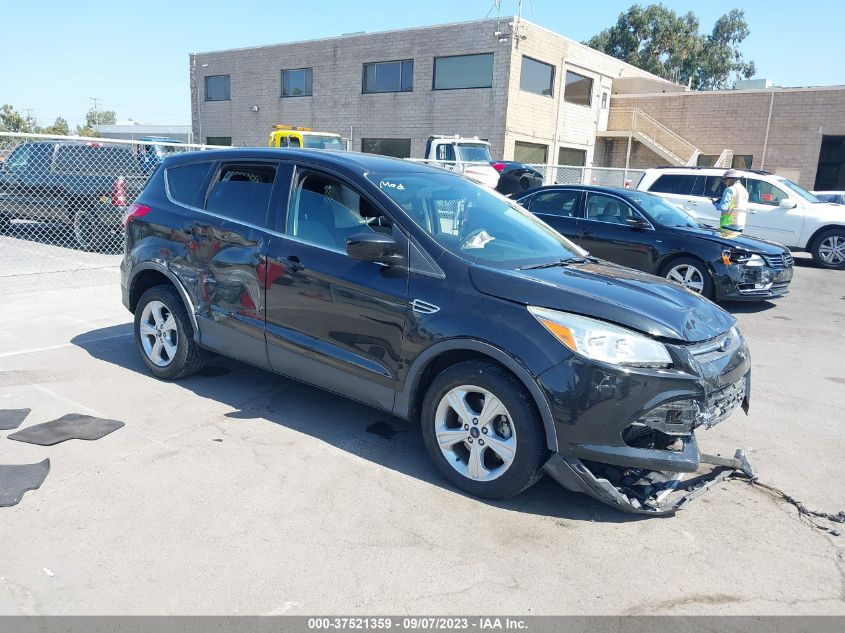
<point x="642" y="127"/>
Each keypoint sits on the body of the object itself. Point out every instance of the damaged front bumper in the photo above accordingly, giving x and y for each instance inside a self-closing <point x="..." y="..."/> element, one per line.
<point x="627" y="437"/>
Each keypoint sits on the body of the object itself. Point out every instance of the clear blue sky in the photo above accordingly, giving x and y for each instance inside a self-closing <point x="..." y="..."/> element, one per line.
<point x="55" y="55"/>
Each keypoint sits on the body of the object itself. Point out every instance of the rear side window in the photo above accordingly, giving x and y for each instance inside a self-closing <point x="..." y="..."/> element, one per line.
<point x="561" y="203"/>
<point x="242" y="193"/>
<point x="186" y="183"/>
<point x="94" y="160"/>
<point x="673" y="183"/>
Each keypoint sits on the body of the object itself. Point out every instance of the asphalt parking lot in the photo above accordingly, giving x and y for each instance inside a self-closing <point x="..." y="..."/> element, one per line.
<point x="241" y="492"/>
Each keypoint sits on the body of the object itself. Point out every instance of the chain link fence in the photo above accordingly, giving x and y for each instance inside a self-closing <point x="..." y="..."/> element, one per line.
<point x="603" y="176"/>
<point x="62" y="201"/>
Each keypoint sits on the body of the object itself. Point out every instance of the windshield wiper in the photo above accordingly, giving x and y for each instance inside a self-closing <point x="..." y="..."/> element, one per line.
<point x="561" y="262"/>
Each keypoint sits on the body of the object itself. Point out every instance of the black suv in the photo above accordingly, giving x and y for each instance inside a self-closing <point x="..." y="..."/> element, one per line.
<point x="421" y="293"/>
<point x="85" y="186"/>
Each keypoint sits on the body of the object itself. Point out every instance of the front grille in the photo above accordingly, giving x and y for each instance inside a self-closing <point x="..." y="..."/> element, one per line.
<point x="784" y="260"/>
<point x="721" y="403"/>
<point x="719" y="347"/>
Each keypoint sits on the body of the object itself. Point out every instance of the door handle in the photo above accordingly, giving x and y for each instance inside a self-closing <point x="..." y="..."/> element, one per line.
<point x="291" y="263"/>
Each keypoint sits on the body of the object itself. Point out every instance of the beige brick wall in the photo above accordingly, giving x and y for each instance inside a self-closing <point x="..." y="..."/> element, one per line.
<point x="338" y="105"/>
<point x="714" y="121"/>
<point x="502" y="114"/>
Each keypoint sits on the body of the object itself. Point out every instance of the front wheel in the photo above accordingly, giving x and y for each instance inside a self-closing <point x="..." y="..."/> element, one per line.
<point x="692" y="274"/>
<point x="482" y="431"/>
<point x="829" y="249"/>
<point x="164" y="335"/>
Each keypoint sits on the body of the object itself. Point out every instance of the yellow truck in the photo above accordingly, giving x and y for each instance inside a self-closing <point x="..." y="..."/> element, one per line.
<point x="289" y="136"/>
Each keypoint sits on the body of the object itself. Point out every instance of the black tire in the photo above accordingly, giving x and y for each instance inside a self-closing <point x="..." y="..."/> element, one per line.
<point x="89" y="234"/>
<point x="709" y="288"/>
<point x="526" y="424"/>
<point x="525" y="183"/>
<point x="189" y="357"/>
<point x="827" y="236"/>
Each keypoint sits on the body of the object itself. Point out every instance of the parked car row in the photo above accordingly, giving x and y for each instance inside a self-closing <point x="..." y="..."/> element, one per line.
<point x="778" y="209"/>
<point x="421" y="293"/>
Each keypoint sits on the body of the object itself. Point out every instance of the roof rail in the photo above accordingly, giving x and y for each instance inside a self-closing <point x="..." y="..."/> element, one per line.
<point x="760" y="172"/>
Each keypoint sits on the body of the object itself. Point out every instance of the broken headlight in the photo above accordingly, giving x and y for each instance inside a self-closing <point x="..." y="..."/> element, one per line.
<point x="602" y="341"/>
<point x="742" y="258"/>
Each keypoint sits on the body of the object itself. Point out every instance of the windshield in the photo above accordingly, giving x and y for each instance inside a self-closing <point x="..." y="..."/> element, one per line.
<point x="799" y="190"/>
<point x="474" y="153"/>
<point x="475" y="223"/>
<point x="315" y="141"/>
<point x="662" y="212"/>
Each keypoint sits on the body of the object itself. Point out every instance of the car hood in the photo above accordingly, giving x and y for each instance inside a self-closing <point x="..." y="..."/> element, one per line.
<point x="732" y="239"/>
<point x="612" y="293"/>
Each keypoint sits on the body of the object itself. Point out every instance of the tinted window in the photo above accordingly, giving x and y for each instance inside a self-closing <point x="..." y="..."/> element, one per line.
<point x="761" y="192"/>
<point x="561" y="203"/>
<point x="297" y="83"/>
<point x="607" y="209"/>
<point x="463" y="71"/>
<point x="96" y="160"/>
<point x="673" y="183"/>
<point x="186" y="183"/>
<point x="242" y="193"/>
<point x="713" y="186"/>
<point x="398" y="147"/>
<point x="535" y="76"/>
<point x="325" y="211"/>
<point x="742" y="161"/>
<point x="389" y="76"/>
<point x="530" y="153"/>
<point x="579" y="89"/>
<point x="472" y="222"/>
<point x="217" y="88"/>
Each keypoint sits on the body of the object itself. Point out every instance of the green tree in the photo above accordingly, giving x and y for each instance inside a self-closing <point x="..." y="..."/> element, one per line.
<point x="12" y="121"/>
<point x="93" y="118"/>
<point x="672" y="46"/>
<point x="59" y="126"/>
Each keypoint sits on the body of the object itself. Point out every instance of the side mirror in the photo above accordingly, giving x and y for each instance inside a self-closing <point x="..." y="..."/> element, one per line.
<point x="637" y="223"/>
<point x="786" y="203"/>
<point x="372" y="247"/>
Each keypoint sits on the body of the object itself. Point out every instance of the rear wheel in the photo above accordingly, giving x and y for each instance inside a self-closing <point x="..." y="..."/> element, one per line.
<point x="164" y="335"/>
<point x="829" y="249"/>
<point x="482" y="430"/>
<point x="692" y="274"/>
<point x="89" y="234"/>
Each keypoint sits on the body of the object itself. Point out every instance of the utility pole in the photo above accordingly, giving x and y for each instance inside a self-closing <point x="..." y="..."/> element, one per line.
<point x="96" y="113"/>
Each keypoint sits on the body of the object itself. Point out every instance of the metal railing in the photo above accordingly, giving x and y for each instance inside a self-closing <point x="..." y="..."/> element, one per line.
<point x="62" y="200"/>
<point x="636" y="121"/>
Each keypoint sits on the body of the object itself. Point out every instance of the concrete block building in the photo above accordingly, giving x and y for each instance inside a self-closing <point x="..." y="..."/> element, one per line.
<point x="535" y="95"/>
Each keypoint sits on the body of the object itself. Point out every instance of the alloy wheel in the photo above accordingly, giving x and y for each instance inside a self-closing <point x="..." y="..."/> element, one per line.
<point x="475" y="433"/>
<point x="688" y="276"/>
<point x="832" y="250"/>
<point x="159" y="335"/>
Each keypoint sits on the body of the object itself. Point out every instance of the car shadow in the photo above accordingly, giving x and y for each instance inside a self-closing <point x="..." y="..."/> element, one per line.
<point x="747" y="307"/>
<point x="369" y="433"/>
<point x="56" y="234"/>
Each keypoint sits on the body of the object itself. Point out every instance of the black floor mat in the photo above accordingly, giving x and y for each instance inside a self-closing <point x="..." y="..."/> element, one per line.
<point x="12" y="418"/>
<point x="72" y="426"/>
<point x="15" y="480"/>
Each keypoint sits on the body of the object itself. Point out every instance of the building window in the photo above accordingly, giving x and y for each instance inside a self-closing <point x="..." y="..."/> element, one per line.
<point x="579" y="89"/>
<point x="742" y="161"/>
<point x="530" y="153"/>
<point x="217" y="88"/>
<point x="389" y="76"/>
<point x="297" y="82"/>
<point x="218" y="140"/>
<point x="707" y="160"/>
<point x="397" y="147"/>
<point x="570" y="156"/>
<point x="463" y="71"/>
<point x="537" y="77"/>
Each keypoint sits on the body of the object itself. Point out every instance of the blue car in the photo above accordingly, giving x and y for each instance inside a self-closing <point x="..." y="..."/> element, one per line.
<point x="152" y="155"/>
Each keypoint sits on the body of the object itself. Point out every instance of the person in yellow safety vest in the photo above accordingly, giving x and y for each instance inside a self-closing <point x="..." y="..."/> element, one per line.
<point x="734" y="202"/>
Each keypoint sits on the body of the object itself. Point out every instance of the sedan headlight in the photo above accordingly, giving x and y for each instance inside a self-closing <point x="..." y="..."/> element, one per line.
<point x="602" y="341"/>
<point x="742" y="258"/>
